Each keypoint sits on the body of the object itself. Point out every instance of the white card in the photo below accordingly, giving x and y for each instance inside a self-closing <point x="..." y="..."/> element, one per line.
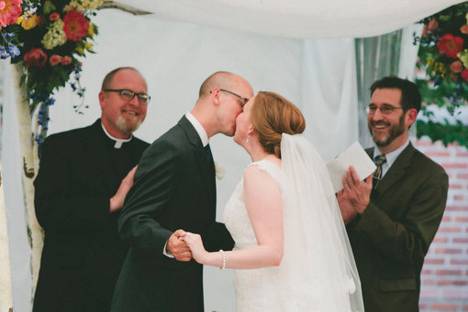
<point x="354" y="156"/>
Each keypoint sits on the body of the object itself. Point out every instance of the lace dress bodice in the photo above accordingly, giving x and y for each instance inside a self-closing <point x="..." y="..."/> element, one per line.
<point x="256" y="289"/>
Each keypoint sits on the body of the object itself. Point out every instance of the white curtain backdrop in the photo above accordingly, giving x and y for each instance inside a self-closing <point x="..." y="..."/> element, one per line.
<point x="299" y="18"/>
<point x="184" y="42"/>
<point x="329" y="94"/>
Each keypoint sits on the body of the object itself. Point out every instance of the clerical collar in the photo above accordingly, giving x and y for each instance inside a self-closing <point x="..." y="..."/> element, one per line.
<point x="118" y="142"/>
<point x="199" y="128"/>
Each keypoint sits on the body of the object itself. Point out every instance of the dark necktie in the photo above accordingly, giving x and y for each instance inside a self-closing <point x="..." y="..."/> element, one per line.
<point x="207" y="153"/>
<point x="379" y="161"/>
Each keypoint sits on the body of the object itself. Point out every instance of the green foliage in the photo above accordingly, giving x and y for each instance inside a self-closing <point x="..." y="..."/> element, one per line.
<point x="446" y="133"/>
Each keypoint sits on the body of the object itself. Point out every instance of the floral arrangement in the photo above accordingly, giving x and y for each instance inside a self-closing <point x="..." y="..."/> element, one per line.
<point x="443" y="54"/>
<point x="47" y="38"/>
<point x="443" y="57"/>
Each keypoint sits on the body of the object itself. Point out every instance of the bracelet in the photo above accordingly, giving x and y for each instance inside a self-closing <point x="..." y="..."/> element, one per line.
<point x="223" y="266"/>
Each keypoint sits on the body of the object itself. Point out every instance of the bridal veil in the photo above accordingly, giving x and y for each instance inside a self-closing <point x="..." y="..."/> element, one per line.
<point x="318" y="270"/>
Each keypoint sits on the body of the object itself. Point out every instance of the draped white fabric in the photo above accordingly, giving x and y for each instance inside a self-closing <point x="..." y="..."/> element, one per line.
<point x="329" y="94"/>
<point x="177" y="48"/>
<point x="318" y="270"/>
<point x="298" y="18"/>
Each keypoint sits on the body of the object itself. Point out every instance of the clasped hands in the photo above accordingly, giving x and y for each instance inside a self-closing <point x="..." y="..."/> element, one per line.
<point x="185" y="245"/>
<point x="355" y="195"/>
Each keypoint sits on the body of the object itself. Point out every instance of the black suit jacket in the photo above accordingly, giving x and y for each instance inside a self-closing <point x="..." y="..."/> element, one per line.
<point x="174" y="188"/>
<point x="80" y="171"/>
<point x="391" y="238"/>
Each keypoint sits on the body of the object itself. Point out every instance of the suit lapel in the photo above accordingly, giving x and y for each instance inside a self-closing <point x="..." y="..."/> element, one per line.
<point x="397" y="170"/>
<point x="203" y="158"/>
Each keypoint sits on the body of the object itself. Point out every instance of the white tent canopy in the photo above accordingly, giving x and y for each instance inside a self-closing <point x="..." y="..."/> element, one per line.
<point x="299" y="48"/>
<point x="298" y="18"/>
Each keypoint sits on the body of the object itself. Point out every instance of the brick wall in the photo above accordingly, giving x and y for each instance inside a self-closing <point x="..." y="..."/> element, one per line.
<point x="445" y="272"/>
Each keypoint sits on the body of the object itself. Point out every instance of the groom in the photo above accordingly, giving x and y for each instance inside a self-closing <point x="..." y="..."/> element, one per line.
<point x="175" y="188"/>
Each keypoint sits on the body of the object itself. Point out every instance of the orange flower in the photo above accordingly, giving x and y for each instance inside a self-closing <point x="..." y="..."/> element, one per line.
<point x="432" y="25"/>
<point x="456" y="67"/>
<point x="450" y="45"/>
<point x="75" y="25"/>
<point x="55" y="59"/>
<point x="66" y="60"/>
<point x="464" y="74"/>
<point x="464" y="29"/>
<point x="10" y="10"/>
<point x="54" y="16"/>
<point x="35" y="57"/>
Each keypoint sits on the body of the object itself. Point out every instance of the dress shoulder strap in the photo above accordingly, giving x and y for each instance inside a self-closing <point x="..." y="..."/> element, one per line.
<point x="271" y="168"/>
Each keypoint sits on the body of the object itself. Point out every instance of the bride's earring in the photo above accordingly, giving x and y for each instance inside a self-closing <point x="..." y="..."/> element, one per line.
<point x="247" y="141"/>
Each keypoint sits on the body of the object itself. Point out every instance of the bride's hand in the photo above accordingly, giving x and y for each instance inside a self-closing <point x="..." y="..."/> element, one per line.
<point x="195" y="243"/>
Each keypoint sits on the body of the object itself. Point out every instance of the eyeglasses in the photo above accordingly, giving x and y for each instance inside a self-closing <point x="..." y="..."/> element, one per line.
<point x="385" y="109"/>
<point x="242" y="99"/>
<point x="128" y="95"/>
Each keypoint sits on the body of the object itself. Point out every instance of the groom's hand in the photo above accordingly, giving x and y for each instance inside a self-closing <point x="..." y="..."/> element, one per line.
<point x="177" y="246"/>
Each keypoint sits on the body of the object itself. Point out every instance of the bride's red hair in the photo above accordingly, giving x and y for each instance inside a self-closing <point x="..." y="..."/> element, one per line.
<point x="271" y="116"/>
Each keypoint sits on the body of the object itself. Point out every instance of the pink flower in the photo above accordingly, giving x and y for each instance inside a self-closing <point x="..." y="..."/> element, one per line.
<point x="450" y="45"/>
<point x="456" y="67"/>
<point x="432" y="25"/>
<point x="464" y="74"/>
<point x="75" y="25"/>
<point x="10" y="10"/>
<point x="66" y="60"/>
<point x="54" y="16"/>
<point x="464" y="29"/>
<point x="55" y="59"/>
<point x="35" y="57"/>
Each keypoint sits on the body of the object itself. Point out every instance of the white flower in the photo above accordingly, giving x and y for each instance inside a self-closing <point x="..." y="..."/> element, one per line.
<point x="55" y="36"/>
<point x="219" y="171"/>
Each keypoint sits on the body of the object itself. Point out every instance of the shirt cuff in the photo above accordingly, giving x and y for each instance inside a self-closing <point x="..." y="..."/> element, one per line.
<point x="166" y="252"/>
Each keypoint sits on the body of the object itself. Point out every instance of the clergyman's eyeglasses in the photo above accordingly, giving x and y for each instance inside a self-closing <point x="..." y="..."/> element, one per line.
<point x="385" y="109"/>
<point x="128" y="95"/>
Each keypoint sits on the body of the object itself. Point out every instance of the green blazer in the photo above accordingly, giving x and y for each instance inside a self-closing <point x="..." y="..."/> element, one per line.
<point x="174" y="188"/>
<point x="391" y="238"/>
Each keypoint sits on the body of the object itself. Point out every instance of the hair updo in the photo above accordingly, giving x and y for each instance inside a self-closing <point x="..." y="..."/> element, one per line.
<point x="271" y="116"/>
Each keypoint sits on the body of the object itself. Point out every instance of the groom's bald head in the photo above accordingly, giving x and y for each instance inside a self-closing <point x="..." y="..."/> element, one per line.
<point x="221" y="80"/>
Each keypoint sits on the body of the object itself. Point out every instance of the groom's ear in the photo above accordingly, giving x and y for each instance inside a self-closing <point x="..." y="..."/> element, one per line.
<point x="214" y="95"/>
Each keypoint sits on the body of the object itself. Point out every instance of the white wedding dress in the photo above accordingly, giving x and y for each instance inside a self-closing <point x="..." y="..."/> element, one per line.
<point x="317" y="272"/>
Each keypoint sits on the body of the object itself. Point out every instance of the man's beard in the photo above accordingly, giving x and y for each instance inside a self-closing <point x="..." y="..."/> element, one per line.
<point x="394" y="132"/>
<point x="128" y="125"/>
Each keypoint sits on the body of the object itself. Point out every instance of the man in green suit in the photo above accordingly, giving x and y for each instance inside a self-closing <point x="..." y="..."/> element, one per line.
<point x="393" y="216"/>
<point x="175" y="189"/>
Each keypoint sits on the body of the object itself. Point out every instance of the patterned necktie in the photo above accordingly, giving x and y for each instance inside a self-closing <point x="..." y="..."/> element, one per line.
<point x="379" y="161"/>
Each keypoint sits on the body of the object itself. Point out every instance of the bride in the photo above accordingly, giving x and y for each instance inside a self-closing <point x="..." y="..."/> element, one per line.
<point x="292" y="252"/>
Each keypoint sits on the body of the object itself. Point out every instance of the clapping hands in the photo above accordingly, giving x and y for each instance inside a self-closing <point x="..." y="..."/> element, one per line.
<point x="355" y="195"/>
